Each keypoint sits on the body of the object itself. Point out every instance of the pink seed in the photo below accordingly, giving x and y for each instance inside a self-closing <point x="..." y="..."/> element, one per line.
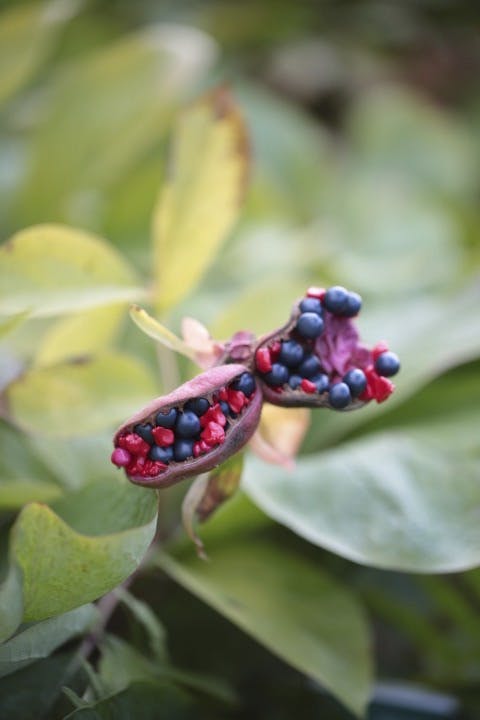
<point x="236" y="400"/>
<point x="120" y="457"/>
<point x="163" y="436"/>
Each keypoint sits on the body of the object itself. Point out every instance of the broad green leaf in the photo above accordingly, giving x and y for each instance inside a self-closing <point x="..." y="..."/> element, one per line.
<point x="199" y="202"/>
<point x="41" y="639"/>
<point x="74" y="399"/>
<point x="80" y="335"/>
<point x="26" y="34"/>
<point x="121" y="665"/>
<point x="67" y="565"/>
<point x="400" y="500"/>
<point x="105" y="111"/>
<point x="52" y="269"/>
<point x="11" y="605"/>
<point x="159" y="332"/>
<point x="282" y="598"/>
<point x="142" y="701"/>
<point x="18" y="461"/>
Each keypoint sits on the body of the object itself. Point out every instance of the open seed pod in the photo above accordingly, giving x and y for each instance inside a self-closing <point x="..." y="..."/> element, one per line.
<point x="317" y="359"/>
<point x="190" y="431"/>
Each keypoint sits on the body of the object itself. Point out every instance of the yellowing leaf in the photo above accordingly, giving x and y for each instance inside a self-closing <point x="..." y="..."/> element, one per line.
<point x="80" y="335"/>
<point x="53" y="269"/>
<point x="199" y="204"/>
<point x="159" y="332"/>
<point x="80" y="398"/>
<point x="63" y="569"/>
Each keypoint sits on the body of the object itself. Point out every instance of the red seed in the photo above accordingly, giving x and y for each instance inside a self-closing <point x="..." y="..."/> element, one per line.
<point x="153" y="468"/>
<point x="262" y="361"/>
<point x="383" y="389"/>
<point x="134" y="444"/>
<point x="274" y="349"/>
<point x="316" y="292"/>
<point x="379" y="348"/>
<point x="308" y="386"/>
<point x="121" y="457"/>
<point x="163" y="436"/>
<point x="213" y="434"/>
<point x="213" y="414"/>
<point x="236" y="400"/>
<point x="223" y="394"/>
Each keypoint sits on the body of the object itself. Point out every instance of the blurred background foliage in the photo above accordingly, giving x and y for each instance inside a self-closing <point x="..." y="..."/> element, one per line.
<point x="364" y="120"/>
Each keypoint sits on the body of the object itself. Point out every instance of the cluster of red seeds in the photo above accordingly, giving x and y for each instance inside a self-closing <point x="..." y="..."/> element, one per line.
<point x="182" y="432"/>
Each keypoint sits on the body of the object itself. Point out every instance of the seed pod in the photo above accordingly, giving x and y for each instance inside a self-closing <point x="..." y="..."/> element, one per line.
<point x="317" y="359"/>
<point x="194" y="428"/>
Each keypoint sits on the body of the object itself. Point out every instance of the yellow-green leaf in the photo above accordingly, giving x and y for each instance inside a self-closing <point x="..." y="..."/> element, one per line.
<point x="80" y="335"/>
<point x="26" y="32"/>
<point x="54" y="269"/>
<point x="80" y="398"/>
<point x="63" y="567"/>
<point x="159" y="332"/>
<point x="199" y="203"/>
<point x="15" y="493"/>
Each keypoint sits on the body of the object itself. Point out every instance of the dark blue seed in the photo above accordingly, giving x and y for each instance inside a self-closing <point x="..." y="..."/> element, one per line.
<point x="278" y="375"/>
<point x="145" y="432"/>
<point x="310" y="366"/>
<point x="198" y="405"/>
<point x="311" y="305"/>
<point x="335" y="299"/>
<point x="339" y="395"/>
<point x="161" y="454"/>
<point x="310" y="325"/>
<point x="182" y="449"/>
<point x="245" y="383"/>
<point x="321" y="381"/>
<point x="295" y="381"/>
<point x="356" y="381"/>
<point x="291" y="353"/>
<point x="225" y="408"/>
<point x="166" y="419"/>
<point x="387" y="364"/>
<point x="187" y="425"/>
<point x="353" y="306"/>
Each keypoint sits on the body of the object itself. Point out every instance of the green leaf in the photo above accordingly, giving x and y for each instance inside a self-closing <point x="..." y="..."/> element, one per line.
<point x="52" y="269"/>
<point x="26" y="34"/>
<point x="41" y="639"/>
<point x="66" y="565"/>
<point x="11" y="605"/>
<point x="282" y="598"/>
<point x="30" y="693"/>
<point x="147" y="618"/>
<point x="399" y="500"/>
<point x="133" y="84"/>
<point x="199" y="203"/>
<point x="121" y="665"/>
<point x="159" y="332"/>
<point x="10" y="323"/>
<point x="15" y="493"/>
<point x="79" y="398"/>
<point x="142" y="701"/>
<point x="81" y="335"/>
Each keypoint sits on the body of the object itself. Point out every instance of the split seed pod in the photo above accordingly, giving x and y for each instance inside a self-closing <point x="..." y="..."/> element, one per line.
<point x="191" y="430"/>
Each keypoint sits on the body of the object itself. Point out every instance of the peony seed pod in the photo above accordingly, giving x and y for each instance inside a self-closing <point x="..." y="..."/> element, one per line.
<point x="317" y="359"/>
<point x="192" y="430"/>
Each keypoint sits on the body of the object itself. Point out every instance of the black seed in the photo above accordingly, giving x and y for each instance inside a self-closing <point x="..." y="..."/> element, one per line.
<point x="166" y="419"/>
<point x="145" y="432"/>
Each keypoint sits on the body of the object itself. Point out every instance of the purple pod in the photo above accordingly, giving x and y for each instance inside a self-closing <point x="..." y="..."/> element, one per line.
<point x="174" y="437"/>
